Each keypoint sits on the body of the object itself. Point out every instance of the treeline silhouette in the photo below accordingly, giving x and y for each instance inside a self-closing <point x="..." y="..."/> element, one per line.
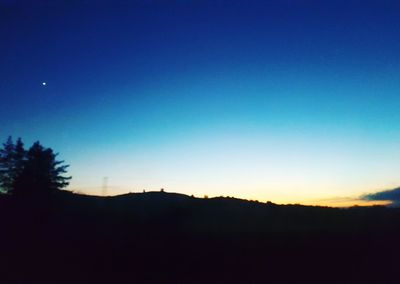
<point x="160" y="237"/>
<point x="30" y="173"/>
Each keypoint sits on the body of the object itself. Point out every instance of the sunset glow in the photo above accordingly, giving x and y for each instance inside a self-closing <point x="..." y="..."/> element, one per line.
<point x="291" y="104"/>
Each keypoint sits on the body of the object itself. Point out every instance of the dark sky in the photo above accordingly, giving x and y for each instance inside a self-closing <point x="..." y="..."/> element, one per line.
<point x="188" y="94"/>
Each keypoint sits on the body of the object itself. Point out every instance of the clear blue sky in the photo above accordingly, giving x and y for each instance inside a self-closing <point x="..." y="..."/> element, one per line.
<point x="289" y="101"/>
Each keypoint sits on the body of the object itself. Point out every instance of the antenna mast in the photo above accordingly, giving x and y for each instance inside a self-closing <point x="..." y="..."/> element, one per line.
<point x="105" y="186"/>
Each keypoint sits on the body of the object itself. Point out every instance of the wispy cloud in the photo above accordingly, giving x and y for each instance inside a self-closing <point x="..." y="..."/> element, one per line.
<point x="346" y="202"/>
<point x="391" y="195"/>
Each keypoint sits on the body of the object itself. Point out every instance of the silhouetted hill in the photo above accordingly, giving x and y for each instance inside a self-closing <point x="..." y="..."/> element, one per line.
<point x="222" y="214"/>
<point x="159" y="237"/>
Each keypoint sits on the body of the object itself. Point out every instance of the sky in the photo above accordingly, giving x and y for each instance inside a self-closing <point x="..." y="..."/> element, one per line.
<point x="287" y="101"/>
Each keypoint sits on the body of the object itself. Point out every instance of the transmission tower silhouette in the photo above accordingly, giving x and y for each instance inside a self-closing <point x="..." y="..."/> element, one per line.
<point x="105" y="186"/>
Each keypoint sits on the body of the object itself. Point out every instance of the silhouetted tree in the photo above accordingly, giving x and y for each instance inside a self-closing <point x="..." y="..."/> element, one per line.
<point x="12" y="158"/>
<point x="41" y="173"/>
<point x="20" y="156"/>
<point x="6" y="165"/>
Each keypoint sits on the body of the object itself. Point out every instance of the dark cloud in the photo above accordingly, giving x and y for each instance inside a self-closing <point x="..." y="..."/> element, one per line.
<point x="392" y="195"/>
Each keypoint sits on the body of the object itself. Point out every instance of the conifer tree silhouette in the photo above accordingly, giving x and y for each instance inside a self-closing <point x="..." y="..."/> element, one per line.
<point x="12" y="159"/>
<point x="7" y="154"/>
<point x="41" y="173"/>
<point x="20" y="156"/>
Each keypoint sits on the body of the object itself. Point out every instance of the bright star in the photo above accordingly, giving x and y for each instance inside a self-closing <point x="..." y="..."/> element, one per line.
<point x="44" y="83"/>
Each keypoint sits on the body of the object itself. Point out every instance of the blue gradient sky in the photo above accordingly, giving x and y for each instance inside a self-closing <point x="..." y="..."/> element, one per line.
<point x="289" y="101"/>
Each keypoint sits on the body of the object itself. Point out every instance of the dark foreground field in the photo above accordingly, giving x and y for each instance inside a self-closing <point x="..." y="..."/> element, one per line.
<point x="160" y="237"/>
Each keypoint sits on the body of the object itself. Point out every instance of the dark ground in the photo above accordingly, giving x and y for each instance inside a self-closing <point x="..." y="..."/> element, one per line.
<point x="161" y="237"/>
